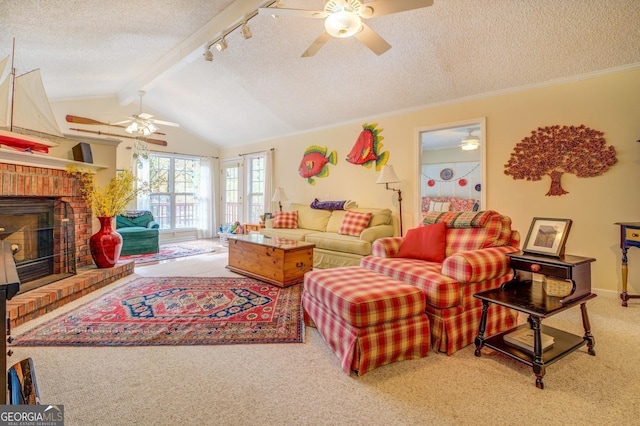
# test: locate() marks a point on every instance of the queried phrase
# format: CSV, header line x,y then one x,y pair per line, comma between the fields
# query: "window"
x,y
255,187
243,189
174,198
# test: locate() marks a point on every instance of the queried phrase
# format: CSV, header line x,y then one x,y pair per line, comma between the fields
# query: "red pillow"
x,y
287,220
425,243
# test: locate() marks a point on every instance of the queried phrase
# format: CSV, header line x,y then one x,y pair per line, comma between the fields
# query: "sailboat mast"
x,y
12,82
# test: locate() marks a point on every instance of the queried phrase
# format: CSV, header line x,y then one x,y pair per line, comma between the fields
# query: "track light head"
x,y
221,45
246,31
208,55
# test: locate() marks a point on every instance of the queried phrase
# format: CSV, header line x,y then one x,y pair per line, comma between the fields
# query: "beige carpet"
x,y
303,384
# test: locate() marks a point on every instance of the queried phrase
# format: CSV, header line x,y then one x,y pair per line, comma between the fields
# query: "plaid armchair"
x,y
475,261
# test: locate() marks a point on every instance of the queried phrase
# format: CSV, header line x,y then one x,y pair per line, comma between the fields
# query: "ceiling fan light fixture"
x,y
470,142
141,127
343,24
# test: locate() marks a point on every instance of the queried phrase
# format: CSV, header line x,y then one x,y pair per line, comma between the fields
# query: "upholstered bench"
x,y
367,319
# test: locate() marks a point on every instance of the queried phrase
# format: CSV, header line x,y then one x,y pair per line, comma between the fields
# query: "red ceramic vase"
x,y
106,244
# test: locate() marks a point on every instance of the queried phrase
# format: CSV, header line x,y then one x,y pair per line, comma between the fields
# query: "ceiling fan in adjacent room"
x,y
343,18
143,124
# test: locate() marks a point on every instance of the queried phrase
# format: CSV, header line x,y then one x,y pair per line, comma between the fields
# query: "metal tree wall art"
x,y
556,150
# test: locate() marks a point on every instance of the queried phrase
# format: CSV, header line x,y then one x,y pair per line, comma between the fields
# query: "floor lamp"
x,y
279,196
387,176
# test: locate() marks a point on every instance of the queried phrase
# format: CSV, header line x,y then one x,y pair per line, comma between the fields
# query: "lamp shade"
x,y
279,195
387,175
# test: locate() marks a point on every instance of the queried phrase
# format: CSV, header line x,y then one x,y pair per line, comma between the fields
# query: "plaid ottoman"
x,y
366,318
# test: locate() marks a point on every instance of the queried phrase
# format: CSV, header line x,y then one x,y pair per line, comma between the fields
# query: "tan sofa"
x,y
321,228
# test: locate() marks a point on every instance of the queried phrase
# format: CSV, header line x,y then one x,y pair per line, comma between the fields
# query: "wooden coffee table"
x,y
278,261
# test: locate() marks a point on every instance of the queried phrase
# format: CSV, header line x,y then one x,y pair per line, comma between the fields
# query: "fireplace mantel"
x,y
12,156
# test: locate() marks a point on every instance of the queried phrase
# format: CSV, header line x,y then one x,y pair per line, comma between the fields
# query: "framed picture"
x,y
547,236
268,216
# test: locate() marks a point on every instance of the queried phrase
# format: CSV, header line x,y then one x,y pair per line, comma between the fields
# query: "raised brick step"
x,y
34,303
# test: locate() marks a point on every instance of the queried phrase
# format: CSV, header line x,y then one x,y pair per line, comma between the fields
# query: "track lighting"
x,y
246,31
221,45
221,42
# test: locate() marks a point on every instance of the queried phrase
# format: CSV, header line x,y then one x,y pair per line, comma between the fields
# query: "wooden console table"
x,y
527,296
629,237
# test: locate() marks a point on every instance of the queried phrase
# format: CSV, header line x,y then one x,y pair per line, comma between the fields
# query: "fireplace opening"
x,y
40,232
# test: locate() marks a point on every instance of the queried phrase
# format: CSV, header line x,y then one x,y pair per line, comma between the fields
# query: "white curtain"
x,y
206,221
142,172
268,180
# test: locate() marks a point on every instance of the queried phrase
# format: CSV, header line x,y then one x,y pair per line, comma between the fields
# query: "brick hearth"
x,y
28,181
34,303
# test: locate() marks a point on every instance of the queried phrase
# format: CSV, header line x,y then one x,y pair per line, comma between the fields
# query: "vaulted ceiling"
x,y
260,88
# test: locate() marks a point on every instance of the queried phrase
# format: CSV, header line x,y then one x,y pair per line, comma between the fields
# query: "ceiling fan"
x,y
343,18
142,123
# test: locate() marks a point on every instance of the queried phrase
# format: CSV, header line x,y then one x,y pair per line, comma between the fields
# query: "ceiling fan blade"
x,y
299,13
165,123
316,45
144,116
120,123
377,8
372,40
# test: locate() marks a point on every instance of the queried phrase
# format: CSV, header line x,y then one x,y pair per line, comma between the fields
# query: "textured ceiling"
x,y
261,88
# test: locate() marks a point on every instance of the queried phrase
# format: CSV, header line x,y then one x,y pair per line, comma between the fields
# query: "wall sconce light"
x,y
387,176
279,196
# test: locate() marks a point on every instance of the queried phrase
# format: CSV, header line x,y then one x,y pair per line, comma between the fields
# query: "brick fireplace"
x,y
37,185
71,219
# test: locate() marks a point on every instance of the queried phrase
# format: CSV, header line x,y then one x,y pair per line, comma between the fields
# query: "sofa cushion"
x,y
292,234
426,243
287,220
354,223
340,243
380,217
440,291
138,233
312,219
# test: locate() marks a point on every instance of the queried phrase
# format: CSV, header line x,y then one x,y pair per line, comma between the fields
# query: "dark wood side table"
x,y
629,237
527,296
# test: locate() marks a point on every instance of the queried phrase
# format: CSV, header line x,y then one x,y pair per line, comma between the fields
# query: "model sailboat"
x,y
24,106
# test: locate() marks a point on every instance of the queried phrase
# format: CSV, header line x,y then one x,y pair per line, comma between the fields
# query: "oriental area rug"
x,y
168,251
178,311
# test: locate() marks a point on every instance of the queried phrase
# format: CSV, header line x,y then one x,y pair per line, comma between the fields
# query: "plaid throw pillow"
x,y
354,223
288,220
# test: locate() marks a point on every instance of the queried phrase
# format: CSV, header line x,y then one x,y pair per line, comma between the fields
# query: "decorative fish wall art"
x,y
367,149
315,163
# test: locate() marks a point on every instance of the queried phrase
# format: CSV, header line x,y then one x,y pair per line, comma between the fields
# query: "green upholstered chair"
x,y
140,233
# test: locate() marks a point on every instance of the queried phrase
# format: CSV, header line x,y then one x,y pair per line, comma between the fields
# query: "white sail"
x,y
31,109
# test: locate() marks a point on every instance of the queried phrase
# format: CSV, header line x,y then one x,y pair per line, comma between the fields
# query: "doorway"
x,y
451,166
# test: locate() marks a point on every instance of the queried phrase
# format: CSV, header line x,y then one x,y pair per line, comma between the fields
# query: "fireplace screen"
x,y
41,236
